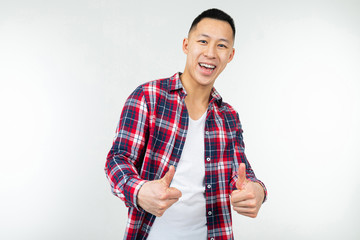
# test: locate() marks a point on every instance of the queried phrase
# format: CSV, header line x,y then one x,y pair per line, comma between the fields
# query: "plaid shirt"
x,y
150,137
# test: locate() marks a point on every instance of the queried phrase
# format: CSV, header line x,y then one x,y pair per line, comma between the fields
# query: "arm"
x,y
248,192
125,157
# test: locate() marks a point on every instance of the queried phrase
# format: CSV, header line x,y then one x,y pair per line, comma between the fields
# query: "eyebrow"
x,y
221,39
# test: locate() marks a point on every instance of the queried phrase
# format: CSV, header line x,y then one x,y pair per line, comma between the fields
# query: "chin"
x,y
205,82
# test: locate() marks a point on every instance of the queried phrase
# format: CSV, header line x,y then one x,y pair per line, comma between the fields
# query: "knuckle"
x,y
162,206
253,213
163,196
159,212
251,195
252,204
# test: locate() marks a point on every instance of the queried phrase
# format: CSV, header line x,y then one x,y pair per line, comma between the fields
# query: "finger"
x,y
174,193
169,176
251,203
170,202
243,210
241,176
238,195
163,207
246,211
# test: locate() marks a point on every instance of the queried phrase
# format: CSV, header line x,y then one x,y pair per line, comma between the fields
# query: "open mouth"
x,y
207,67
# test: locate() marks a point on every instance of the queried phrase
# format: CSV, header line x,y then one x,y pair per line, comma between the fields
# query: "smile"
x,y
208,66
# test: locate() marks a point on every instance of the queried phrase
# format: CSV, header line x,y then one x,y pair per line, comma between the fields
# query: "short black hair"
x,y
214,13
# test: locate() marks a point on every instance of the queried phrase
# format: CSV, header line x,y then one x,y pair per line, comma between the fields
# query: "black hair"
x,y
214,13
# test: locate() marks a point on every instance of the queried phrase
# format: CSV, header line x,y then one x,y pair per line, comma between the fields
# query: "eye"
x,y
203,41
222,46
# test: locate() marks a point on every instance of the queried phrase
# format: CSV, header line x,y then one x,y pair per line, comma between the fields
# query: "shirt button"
x,y
212,238
208,186
209,213
208,159
207,132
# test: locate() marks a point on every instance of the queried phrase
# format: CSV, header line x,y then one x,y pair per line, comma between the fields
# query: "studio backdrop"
x,y
67,67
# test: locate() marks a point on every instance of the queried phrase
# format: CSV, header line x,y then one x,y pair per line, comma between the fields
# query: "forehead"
x,y
213,28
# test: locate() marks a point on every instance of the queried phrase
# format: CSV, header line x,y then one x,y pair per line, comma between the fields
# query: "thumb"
x,y
241,176
169,176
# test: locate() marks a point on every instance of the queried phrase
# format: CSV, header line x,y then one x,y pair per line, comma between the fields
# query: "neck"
x,y
196,92
197,99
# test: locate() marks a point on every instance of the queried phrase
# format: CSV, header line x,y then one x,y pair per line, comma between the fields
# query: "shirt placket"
x,y
209,179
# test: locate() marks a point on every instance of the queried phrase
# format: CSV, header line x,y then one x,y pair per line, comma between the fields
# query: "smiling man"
x,y
178,159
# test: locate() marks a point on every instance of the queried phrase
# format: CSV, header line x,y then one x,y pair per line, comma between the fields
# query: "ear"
x,y
231,55
185,45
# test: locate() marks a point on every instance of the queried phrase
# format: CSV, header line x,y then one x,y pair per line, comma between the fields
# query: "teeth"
x,y
207,66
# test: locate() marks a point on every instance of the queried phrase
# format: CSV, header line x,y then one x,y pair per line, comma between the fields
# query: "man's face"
x,y
209,48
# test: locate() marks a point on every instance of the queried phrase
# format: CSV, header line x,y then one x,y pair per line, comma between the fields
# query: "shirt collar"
x,y
175,84
215,96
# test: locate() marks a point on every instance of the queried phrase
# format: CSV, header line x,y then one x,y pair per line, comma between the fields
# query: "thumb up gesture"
x,y
248,197
242,181
157,196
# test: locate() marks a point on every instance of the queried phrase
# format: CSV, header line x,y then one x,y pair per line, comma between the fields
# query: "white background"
x,y
66,68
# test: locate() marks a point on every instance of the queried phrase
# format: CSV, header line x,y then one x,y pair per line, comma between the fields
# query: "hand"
x,y
156,196
248,197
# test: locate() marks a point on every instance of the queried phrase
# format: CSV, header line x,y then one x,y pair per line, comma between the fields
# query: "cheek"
x,y
192,57
194,51
191,61
225,59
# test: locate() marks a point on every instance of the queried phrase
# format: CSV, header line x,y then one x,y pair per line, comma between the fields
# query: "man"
x,y
178,159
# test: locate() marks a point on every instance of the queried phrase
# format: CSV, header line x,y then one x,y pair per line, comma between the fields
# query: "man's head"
x,y
214,13
209,48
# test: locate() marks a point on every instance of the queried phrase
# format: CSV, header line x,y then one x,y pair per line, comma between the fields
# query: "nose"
x,y
210,51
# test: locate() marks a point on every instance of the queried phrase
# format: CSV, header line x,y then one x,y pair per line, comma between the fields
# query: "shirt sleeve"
x,y
240,157
125,157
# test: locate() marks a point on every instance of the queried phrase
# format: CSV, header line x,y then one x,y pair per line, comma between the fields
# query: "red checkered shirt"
x,y
150,137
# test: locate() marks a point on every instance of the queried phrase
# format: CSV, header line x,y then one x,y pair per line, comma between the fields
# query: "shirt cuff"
x,y
131,191
263,186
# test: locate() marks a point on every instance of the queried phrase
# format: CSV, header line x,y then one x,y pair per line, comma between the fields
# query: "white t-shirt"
x,y
186,219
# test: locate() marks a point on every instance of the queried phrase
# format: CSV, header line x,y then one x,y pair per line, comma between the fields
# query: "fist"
x,y
157,196
248,197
